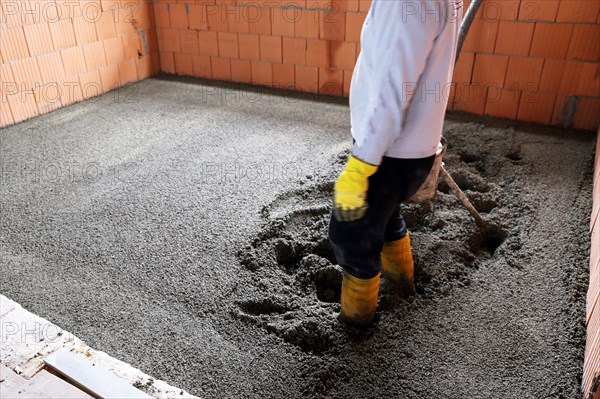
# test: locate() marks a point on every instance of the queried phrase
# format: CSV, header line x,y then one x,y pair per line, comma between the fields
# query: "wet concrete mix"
x,y
228,287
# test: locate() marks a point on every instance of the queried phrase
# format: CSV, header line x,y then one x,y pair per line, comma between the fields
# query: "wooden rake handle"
x,y
462,197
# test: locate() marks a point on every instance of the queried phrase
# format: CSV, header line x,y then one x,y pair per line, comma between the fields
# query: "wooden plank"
x,y
90,378
591,372
55,387
9,380
591,362
14,387
593,292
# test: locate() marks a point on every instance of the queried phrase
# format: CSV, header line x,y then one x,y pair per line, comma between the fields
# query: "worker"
x,y
397,107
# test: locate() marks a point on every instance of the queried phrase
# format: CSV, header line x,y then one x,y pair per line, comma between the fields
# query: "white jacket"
x,y
401,81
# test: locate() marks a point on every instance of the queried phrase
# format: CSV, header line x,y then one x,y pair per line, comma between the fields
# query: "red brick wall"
x,y
532,60
305,45
592,351
57,52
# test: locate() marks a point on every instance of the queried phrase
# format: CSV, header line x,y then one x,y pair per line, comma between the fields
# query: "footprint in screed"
x,y
264,306
292,248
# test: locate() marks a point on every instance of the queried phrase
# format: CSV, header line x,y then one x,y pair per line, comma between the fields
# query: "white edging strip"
x,y
26,339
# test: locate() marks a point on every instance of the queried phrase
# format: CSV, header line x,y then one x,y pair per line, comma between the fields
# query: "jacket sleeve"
x,y
397,39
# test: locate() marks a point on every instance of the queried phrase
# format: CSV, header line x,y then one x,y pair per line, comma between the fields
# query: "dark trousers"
x,y
358,244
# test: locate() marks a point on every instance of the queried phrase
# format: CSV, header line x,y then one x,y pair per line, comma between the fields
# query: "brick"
x,y
343,55
580,78
168,40
237,21
228,45
71,91
215,17
538,10
490,69
501,10
13,45
364,5
514,38
464,68
564,111
156,62
202,67
259,20
536,107
307,78
132,47
282,24
188,40
62,33
283,76
502,103
113,49
221,68
85,31
331,82
74,61
354,24
38,38
6,118
152,41
524,73
271,48
126,25
583,46
144,67
11,16
578,11
48,98
161,15
22,107
347,83
94,55
249,46
332,26
317,53
50,67
262,73
208,43
241,71
551,40
91,8
469,98
26,73
167,62
105,26
196,18
588,114
481,37
552,75
109,77
294,51
7,80
178,14
184,64
142,16
307,25
91,84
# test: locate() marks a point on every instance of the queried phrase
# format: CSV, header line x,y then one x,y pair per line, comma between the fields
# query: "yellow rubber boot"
x,y
359,299
398,267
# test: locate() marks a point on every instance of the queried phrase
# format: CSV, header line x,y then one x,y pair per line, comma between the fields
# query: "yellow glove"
x,y
350,198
